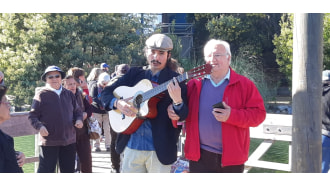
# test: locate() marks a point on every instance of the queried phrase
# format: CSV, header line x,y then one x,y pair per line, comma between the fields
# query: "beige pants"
x,y
139,161
104,121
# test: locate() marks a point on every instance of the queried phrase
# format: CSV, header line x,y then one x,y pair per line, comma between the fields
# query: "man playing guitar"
x,y
153,146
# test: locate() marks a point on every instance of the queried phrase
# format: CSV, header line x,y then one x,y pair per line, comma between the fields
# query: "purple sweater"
x,y
209,127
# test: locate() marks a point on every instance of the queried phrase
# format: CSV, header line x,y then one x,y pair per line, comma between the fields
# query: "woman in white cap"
x,y
55,114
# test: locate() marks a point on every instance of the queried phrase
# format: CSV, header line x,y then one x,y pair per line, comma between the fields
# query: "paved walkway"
x,y
101,160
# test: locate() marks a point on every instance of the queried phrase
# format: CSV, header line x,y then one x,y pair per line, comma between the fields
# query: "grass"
x,y
278,152
25,144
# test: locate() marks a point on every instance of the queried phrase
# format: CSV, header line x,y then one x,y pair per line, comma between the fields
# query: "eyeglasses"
x,y
5,102
216,56
53,76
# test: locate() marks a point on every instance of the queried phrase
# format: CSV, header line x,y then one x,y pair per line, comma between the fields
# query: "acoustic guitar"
x,y
144,96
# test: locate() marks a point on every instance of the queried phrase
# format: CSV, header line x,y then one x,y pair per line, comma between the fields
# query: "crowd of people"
x,y
217,139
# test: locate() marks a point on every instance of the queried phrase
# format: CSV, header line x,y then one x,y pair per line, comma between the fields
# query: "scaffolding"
x,y
184,32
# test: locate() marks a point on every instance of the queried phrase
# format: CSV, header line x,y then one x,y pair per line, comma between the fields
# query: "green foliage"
x,y
326,41
31,42
241,30
228,28
87,40
201,33
20,39
250,67
284,46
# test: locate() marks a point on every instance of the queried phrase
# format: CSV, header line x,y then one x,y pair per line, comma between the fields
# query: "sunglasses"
x,y
53,76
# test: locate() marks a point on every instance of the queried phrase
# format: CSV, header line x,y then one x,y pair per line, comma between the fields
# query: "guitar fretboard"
x,y
193,73
160,88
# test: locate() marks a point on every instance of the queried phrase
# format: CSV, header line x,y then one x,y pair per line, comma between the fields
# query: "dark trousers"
x,y
84,153
210,162
50,155
115,157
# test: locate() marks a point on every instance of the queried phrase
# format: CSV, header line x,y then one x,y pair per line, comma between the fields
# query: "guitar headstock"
x,y
200,71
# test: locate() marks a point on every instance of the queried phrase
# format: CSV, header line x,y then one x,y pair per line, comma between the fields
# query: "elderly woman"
x,y
55,113
83,145
11,161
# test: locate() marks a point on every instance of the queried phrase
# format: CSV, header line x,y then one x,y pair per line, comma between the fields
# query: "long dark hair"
x,y
3,91
171,63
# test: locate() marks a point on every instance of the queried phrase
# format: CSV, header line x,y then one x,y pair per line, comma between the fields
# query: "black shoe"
x,y
97,149
108,149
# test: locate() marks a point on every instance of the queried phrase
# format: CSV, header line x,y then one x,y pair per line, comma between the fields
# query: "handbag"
x,y
94,129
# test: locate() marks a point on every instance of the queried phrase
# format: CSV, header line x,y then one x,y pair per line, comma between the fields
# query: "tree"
x,y
283,46
326,42
248,34
31,42
20,39
87,40
201,34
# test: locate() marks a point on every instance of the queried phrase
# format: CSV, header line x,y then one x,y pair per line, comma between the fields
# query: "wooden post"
x,y
306,92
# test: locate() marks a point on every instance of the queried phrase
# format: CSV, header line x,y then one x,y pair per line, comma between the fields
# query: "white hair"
x,y
103,78
214,42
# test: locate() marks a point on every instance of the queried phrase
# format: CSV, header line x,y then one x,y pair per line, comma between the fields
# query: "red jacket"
x,y
247,110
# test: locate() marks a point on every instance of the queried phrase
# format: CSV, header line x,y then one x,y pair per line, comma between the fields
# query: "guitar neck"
x,y
161,88
193,73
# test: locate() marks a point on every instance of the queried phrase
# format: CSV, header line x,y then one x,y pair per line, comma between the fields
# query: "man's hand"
x,y
171,114
222,114
174,91
43,131
126,108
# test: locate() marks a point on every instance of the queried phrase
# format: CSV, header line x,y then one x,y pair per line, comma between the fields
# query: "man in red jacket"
x,y
218,139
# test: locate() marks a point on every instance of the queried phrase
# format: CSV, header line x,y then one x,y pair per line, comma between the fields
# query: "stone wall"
x,y
18,125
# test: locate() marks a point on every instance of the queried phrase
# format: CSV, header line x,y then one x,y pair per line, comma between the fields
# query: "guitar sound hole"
x,y
138,101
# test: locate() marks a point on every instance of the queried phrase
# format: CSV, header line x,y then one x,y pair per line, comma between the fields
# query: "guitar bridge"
x,y
138,115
